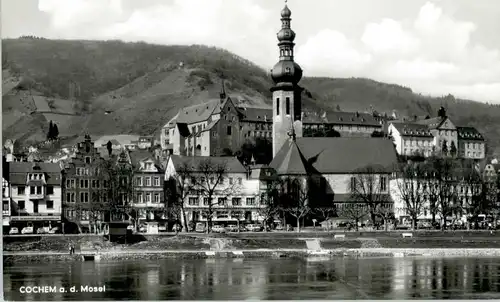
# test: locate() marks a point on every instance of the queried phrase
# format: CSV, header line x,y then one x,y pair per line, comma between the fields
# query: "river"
x,y
266,279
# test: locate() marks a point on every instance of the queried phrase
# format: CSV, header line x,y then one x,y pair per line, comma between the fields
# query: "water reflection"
x,y
284,279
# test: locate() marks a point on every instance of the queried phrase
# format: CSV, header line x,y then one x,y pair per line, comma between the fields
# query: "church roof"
x,y
339,155
255,114
201,112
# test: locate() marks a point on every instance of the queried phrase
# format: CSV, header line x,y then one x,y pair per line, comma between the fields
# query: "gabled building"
x,y
36,190
237,194
148,193
439,136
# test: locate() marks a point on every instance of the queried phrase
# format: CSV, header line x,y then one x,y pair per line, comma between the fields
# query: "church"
x,y
328,169
339,163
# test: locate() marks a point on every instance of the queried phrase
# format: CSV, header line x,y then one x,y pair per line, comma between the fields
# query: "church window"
x,y
277,106
287,106
228,130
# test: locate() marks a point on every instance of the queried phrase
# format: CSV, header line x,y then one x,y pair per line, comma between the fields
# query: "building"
x,y
438,135
36,190
5,202
148,193
328,168
345,123
235,197
82,189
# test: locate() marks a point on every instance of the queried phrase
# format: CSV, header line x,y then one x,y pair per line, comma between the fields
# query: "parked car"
x,y
143,229
13,231
200,227
279,227
232,228
42,230
254,227
218,229
27,230
424,225
54,230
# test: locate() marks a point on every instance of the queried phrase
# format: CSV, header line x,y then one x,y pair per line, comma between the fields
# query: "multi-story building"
x,y
82,188
36,190
148,193
438,136
236,197
345,123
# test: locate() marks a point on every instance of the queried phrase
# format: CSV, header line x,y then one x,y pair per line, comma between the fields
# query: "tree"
x,y
442,178
115,176
370,186
444,148
355,212
411,183
209,181
453,149
295,198
55,132
50,132
476,198
179,187
270,206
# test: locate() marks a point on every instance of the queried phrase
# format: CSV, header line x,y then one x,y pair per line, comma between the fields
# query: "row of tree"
x,y
446,188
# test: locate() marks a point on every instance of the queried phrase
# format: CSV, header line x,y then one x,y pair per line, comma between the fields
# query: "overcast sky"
x,y
434,47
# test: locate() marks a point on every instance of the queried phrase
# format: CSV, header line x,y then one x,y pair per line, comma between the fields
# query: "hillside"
x,y
107,87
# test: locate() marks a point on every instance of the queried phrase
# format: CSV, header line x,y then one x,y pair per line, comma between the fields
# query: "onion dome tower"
x,y
286,74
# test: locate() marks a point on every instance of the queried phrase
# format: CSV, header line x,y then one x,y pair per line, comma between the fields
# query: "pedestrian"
x,y
70,249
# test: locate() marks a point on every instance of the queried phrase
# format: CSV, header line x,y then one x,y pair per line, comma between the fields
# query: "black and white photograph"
x,y
250,150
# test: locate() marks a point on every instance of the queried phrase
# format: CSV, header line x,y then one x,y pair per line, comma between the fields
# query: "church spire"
x,y
222,94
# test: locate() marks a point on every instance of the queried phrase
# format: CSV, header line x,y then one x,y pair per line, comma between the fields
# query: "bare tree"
x,y
295,198
355,212
410,187
444,177
179,187
270,206
370,186
115,177
209,181
473,202
326,213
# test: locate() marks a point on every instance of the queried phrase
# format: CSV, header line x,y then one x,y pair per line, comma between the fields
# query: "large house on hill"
x,y
438,135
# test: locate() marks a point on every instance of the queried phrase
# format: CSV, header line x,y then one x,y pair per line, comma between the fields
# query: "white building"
x,y
35,193
236,198
437,135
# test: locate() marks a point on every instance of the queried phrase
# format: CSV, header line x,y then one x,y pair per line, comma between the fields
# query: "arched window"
x,y
287,106
277,106
295,190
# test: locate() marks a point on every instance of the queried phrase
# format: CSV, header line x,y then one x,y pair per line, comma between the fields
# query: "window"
x,y
138,198
240,180
236,201
148,181
50,204
20,190
157,198
222,201
78,171
70,197
383,183
287,106
148,197
149,166
84,197
230,180
21,205
32,190
138,181
87,160
95,184
193,201
353,183
5,207
85,215
157,182
229,130
38,190
205,201
250,201
277,106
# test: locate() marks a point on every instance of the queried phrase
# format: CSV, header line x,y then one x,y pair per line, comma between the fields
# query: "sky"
x,y
434,47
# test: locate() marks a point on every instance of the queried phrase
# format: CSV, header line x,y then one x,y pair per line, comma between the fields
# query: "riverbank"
x,y
44,257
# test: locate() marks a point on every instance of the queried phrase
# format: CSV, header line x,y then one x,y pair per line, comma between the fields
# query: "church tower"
x,y
286,74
